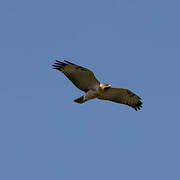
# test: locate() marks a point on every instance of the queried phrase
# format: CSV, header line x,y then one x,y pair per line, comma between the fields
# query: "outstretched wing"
x,y
81,77
122,96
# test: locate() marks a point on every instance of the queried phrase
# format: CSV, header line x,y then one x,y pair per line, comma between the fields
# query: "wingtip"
x,y
69,62
138,105
58,65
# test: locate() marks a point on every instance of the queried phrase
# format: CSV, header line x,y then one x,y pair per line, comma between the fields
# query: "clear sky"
x,y
133,44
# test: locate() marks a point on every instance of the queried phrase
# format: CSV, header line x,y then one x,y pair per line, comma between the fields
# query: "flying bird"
x,y
85,80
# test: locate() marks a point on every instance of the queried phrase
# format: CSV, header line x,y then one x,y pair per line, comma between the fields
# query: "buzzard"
x,y
85,80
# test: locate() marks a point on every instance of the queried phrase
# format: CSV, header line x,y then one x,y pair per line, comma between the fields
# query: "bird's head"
x,y
105,86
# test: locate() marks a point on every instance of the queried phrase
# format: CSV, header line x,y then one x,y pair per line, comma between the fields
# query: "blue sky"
x,y
133,44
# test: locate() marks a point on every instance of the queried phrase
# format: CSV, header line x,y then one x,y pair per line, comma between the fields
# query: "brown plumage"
x,y
122,96
85,80
81,77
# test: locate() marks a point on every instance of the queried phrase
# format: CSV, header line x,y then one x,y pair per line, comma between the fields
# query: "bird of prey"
x,y
85,80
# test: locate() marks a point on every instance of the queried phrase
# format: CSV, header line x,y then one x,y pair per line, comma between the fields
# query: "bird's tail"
x,y
80,100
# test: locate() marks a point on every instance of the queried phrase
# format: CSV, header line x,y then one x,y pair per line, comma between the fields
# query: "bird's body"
x,y
85,80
